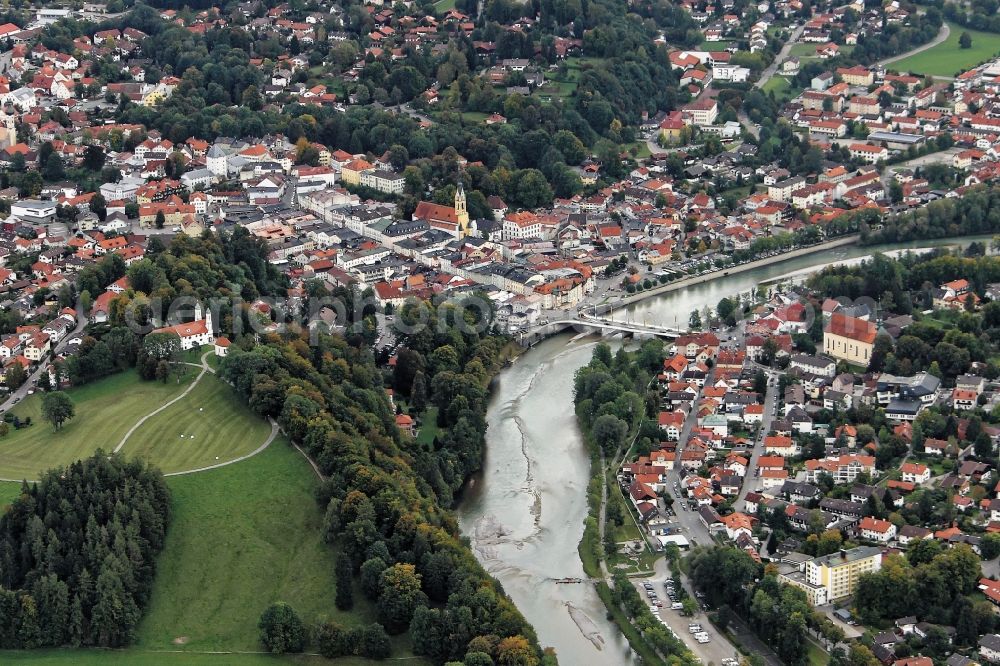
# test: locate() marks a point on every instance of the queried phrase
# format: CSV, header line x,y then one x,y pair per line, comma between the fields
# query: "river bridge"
x,y
599,324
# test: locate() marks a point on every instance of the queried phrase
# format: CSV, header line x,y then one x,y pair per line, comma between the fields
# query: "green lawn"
x,y
816,655
428,427
781,86
803,49
947,59
641,149
714,46
474,116
444,5
215,424
242,537
9,491
105,410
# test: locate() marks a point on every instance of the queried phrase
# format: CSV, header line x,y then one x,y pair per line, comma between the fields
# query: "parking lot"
x,y
717,649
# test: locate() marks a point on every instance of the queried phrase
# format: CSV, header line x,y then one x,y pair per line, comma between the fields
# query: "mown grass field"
x,y
105,410
241,537
209,425
803,49
947,58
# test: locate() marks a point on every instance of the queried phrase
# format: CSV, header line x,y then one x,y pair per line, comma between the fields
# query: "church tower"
x,y
461,211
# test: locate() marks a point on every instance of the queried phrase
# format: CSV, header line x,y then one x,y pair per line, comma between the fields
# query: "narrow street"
x,y
31,382
770,407
766,75
691,525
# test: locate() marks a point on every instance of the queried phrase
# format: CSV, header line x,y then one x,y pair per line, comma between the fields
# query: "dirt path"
x,y
204,368
267,443
941,36
309,460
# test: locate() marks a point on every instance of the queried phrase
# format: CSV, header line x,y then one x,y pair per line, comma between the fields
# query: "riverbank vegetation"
x,y
613,407
77,554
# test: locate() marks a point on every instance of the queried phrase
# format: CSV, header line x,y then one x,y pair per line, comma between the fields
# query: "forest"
x,y
77,554
385,494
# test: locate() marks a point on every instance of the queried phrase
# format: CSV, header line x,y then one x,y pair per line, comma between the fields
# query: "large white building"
x,y
33,211
834,576
193,334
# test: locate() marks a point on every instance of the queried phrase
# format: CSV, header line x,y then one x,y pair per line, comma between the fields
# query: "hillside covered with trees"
x,y
386,496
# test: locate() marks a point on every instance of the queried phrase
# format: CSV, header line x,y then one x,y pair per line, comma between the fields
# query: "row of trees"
x,y
77,554
611,394
977,211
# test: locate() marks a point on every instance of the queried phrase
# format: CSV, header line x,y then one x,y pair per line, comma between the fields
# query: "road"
x,y
941,36
766,75
770,407
20,393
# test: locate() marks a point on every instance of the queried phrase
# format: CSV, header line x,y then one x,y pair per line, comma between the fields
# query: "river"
x,y
524,511
674,308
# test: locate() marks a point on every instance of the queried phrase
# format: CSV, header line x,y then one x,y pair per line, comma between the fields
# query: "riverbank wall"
x,y
735,270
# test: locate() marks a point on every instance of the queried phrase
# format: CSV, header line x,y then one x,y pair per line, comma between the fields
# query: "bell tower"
x,y
461,211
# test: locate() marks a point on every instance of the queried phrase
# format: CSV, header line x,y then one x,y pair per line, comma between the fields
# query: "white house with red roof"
x,y
874,529
193,334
